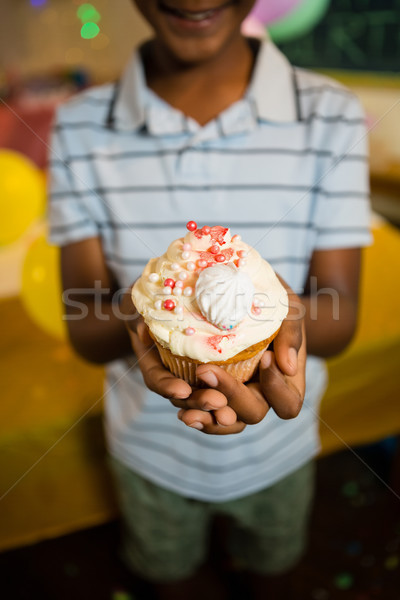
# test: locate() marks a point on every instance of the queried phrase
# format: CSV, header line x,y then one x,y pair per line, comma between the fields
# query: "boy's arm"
x,y
331,300
95,329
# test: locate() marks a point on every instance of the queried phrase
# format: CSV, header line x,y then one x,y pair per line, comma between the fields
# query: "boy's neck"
x,y
203,90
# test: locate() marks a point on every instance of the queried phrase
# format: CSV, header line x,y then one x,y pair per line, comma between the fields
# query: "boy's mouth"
x,y
194,16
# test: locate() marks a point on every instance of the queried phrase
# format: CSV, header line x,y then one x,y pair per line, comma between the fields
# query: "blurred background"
x,y
54,485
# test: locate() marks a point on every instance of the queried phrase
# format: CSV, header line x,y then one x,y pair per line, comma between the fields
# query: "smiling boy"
x,y
207,125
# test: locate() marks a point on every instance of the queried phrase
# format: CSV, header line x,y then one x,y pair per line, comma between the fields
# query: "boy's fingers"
x,y
250,408
287,345
156,377
203,399
290,337
280,391
143,332
207,423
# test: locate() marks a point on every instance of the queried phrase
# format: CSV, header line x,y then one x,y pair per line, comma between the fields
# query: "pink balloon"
x,y
268,11
252,27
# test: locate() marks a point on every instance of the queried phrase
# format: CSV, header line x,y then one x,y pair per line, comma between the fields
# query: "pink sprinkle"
x,y
242,262
242,253
186,247
182,275
202,264
190,331
214,249
220,258
188,291
206,230
256,310
191,266
185,255
236,238
179,284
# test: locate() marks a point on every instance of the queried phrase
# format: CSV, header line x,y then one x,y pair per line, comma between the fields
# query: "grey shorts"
x,y
166,535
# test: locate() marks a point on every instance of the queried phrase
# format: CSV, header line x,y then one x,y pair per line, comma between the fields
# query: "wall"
x,y
36,40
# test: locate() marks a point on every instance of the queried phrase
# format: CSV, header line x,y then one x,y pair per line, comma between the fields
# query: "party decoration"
x,y
300,21
88,13
89,31
89,16
268,11
22,195
41,287
252,27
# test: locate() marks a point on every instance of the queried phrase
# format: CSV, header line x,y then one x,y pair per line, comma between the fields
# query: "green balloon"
x,y
299,22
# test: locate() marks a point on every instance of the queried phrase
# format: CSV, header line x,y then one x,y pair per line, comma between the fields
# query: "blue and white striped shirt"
x,y
285,167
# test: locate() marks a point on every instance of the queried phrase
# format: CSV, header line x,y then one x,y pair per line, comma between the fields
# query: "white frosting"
x,y
209,343
224,295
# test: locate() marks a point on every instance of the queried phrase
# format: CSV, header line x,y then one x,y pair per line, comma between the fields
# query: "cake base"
x,y
242,366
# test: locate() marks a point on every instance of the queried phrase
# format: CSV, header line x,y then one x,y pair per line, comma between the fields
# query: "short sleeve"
x,y
343,215
68,217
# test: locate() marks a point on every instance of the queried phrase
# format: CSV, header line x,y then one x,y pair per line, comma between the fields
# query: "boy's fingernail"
x,y
266,360
292,356
209,378
197,425
180,413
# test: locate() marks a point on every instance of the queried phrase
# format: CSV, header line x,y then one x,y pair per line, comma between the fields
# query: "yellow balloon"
x,y
41,287
22,195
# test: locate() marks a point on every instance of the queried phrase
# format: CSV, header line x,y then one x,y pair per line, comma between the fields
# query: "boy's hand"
x,y
281,386
156,377
227,405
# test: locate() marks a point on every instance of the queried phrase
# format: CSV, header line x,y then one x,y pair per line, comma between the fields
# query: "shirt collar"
x,y
272,96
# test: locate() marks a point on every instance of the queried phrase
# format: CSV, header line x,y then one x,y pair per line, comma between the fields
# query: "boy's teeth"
x,y
200,16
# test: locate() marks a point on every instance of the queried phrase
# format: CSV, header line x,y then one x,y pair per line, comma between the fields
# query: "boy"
x,y
209,126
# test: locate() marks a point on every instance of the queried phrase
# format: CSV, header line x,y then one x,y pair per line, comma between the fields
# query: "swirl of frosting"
x,y
224,295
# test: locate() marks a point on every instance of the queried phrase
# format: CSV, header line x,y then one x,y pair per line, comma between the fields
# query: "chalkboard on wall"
x,y
362,35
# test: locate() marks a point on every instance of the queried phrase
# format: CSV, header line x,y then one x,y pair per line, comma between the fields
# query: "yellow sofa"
x,y
53,478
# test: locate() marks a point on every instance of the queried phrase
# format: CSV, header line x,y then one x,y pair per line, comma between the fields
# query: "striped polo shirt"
x,y
285,167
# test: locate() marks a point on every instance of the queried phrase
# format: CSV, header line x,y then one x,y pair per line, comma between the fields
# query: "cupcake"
x,y
210,298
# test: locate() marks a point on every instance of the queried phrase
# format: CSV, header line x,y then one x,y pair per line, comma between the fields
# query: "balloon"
x,y
22,195
300,21
41,287
268,11
251,27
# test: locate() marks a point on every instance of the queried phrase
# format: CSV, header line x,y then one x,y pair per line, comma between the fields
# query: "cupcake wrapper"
x,y
185,368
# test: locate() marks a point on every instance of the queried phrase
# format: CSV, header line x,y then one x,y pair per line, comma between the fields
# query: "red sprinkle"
x,y
169,283
215,340
218,234
206,230
220,258
210,259
191,226
256,310
169,304
214,249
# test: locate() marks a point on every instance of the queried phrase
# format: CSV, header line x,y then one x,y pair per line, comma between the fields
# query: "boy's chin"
x,y
192,52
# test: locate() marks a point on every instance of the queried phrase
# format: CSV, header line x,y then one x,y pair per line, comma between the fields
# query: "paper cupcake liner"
x,y
185,368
